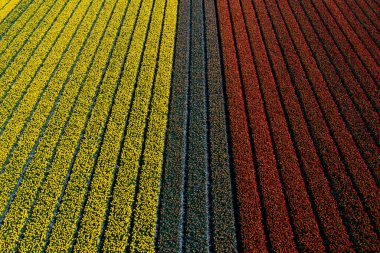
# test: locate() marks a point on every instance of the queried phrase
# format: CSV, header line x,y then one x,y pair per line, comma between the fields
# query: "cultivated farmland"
x,y
189,126
85,90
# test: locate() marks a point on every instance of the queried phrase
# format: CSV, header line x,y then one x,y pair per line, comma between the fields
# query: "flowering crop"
x,y
6,7
189,125
76,75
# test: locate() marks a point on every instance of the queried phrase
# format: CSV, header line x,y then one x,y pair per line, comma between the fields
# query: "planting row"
x,y
18,35
12,17
7,6
310,120
302,98
265,136
196,209
29,141
81,98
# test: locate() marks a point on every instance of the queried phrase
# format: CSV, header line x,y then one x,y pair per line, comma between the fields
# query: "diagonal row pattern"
x,y
189,126
299,83
85,89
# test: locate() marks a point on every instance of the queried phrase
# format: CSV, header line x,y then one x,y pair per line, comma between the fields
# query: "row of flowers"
x,y
49,84
132,219
6,7
91,88
21,90
149,184
27,33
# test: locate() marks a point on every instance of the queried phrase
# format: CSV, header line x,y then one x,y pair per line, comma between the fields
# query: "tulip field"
x,y
189,126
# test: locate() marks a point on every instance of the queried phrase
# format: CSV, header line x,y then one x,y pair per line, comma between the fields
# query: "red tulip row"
x,y
288,106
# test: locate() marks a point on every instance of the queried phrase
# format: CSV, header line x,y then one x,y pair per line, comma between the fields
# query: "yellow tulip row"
x,y
12,40
60,163
50,192
20,80
25,63
56,178
143,47
15,38
36,169
83,166
3,3
91,222
8,7
15,15
26,133
70,208
27,87
14,24
23,58
119,221
147,198
9,177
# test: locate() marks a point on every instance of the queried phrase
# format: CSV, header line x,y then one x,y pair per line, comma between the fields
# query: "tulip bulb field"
x,y
189,126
